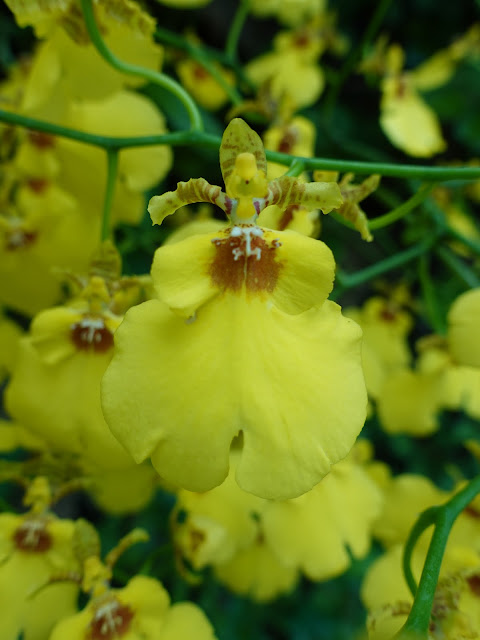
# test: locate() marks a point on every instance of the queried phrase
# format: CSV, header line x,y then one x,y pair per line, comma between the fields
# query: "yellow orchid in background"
x,y
64,356
43,15
228,529
258,319
35,547
202,85
141,610
291,12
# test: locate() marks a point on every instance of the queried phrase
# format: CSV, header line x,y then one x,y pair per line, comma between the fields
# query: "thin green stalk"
x,y
474,245
426,519
235,31
147,74
296,168
355,53
402,210
112,168
418,621
458,267
204,52
348,281
231,92
201,138
430,297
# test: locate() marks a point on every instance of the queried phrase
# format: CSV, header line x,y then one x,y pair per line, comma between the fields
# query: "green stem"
x,y
426,519
458,267
402,210
429,295
148,74
201,53
202,139
355,53
112,167
418,621
231,92
235,31
474,245
296,168
347,280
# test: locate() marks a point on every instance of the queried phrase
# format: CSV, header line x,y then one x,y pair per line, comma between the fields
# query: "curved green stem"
x,y
202,52
348,280
233,37
402,210
426,519
201,138
112,168
132,69
458,267
296,168
443,518
429,295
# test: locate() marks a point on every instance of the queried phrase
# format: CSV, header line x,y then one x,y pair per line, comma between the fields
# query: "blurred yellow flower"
x,y
64,357
206,90
34,548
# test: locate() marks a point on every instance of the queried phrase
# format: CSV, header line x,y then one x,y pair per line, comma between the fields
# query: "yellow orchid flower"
x,y
64,356
257,316
35,547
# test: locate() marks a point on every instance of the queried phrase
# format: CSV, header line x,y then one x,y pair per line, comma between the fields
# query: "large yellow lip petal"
x,y
291,270
180,393
307,275
180,270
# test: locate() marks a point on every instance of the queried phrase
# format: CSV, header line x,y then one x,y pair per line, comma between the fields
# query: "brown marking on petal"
x,y
388,313
245,260
18,238
41,140
472,512
91,334
288,140
199,72
197,538
38,184
474,584
32,536
112,619
287,217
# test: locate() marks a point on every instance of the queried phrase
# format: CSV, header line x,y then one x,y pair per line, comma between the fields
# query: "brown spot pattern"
x,y
112,620
257,275
19,239
91,334
41,140
32,536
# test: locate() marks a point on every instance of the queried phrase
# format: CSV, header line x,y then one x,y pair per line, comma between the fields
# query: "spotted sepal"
x,y
239,138
287,190
195,190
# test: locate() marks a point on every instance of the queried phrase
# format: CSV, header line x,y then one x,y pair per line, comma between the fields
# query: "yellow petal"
x,y
257,573
408,122
463,329
313,532
287,380
291,270
186,620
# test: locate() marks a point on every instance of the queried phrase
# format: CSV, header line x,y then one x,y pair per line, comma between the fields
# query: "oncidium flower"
x,y
254,301
35,547
139,611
